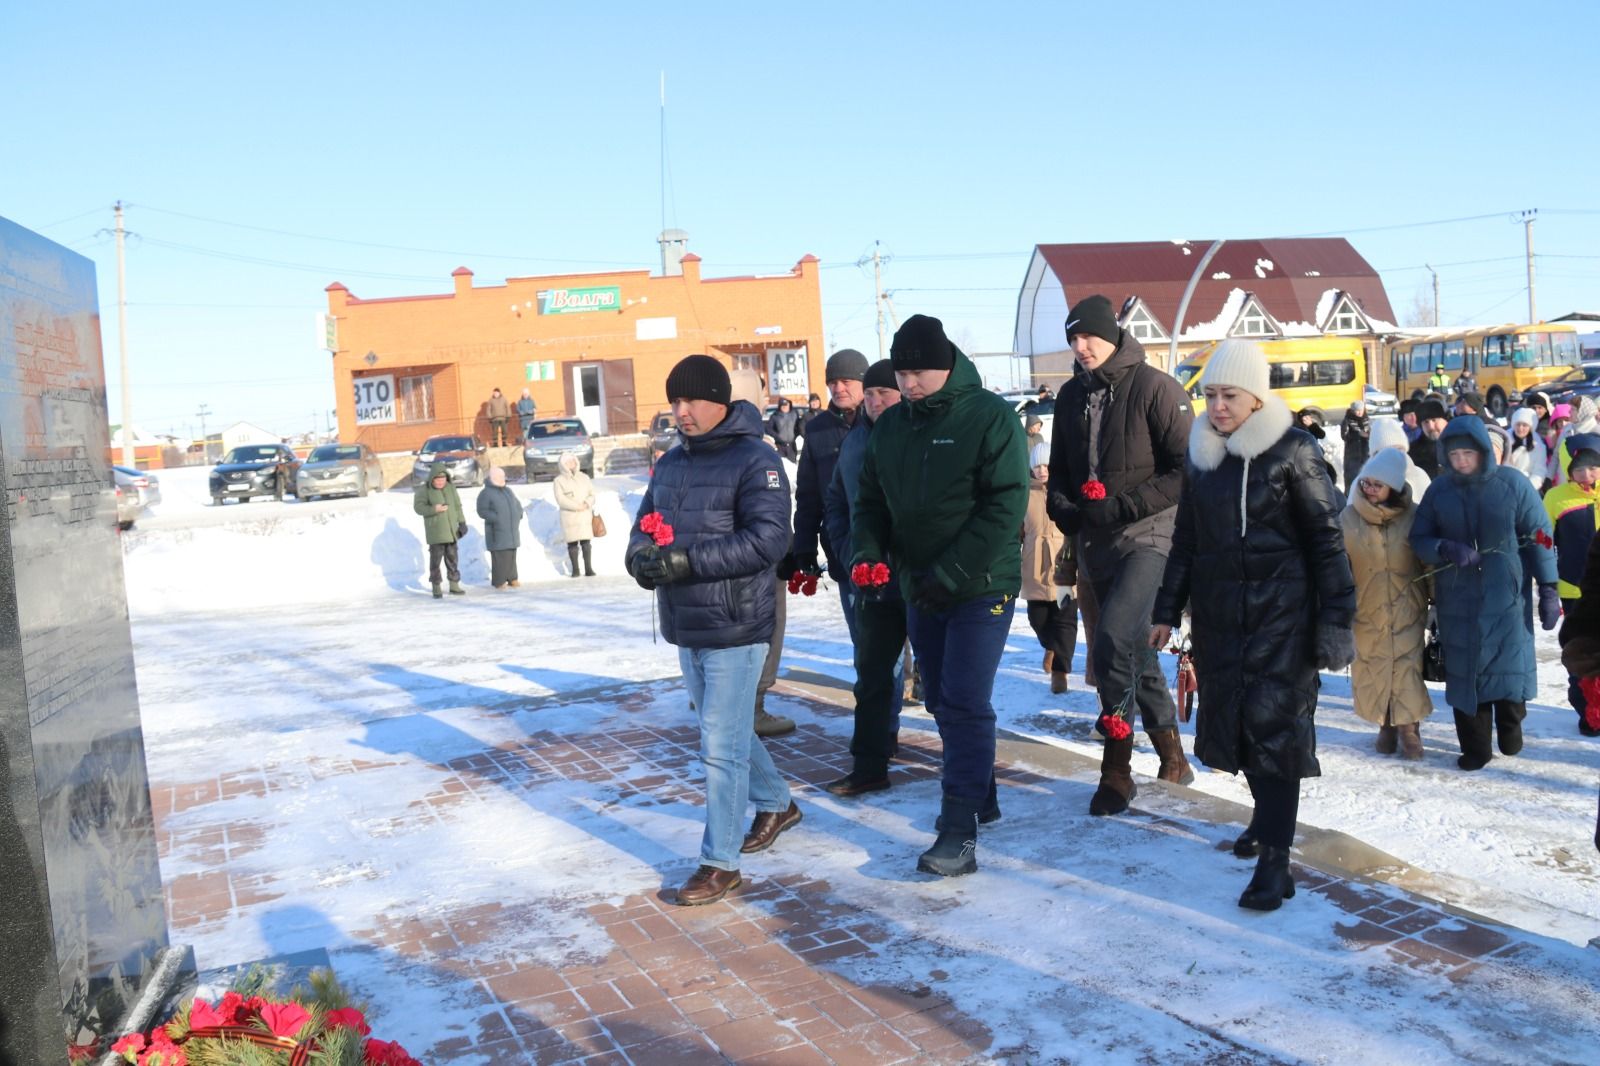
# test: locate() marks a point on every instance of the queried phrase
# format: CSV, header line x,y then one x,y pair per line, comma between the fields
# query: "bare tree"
x,y
1421,312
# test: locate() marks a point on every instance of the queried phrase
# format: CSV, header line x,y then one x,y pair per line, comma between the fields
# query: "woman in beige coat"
x,y
1391,604
574,494
1054,617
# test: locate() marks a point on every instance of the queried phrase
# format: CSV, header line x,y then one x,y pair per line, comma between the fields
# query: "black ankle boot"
x,y
1248,846
956,851
1271,883
1473,732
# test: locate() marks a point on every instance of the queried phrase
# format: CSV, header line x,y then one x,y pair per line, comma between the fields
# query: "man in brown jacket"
x,y
499,415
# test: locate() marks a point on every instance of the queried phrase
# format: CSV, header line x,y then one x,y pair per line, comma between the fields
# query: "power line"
x,y
1400,225
62,222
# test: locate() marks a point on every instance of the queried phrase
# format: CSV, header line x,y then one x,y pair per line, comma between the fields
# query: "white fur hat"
x,y
1388,433
1241,364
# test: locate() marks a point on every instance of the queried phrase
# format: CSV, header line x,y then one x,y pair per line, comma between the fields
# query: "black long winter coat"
x,y
726,496
1258,557
824,433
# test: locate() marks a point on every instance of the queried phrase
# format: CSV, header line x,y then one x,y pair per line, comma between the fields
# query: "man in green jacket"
x,y
941,501
444,523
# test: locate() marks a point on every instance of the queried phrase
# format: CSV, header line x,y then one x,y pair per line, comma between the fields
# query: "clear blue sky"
x,y
521,138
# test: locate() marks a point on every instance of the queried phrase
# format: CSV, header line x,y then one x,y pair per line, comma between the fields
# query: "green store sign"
x,y
577,301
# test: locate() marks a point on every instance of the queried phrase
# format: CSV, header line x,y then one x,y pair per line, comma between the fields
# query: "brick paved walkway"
x,y
762,977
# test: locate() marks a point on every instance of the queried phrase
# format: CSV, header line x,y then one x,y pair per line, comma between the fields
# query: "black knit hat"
x,y
699,377
846,364
920,344
1431,409
880,375
1407,407
1093,315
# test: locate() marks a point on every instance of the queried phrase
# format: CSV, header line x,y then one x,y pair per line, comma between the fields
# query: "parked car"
x,y
128,507
464,457
1380,402
339,470
548,439
252,470
1569,389
1028,403
147,487
663,436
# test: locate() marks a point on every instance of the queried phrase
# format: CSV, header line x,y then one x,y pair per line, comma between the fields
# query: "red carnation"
x,y
348,1018
663,535
1542,539
1093,489
203,1015
650,522
657,529
284,1019
808,585
880,575
1591,701
129,1046
794,583
1115,726
861,575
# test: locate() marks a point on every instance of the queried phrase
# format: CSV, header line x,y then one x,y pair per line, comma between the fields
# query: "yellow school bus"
x,y
1507,360
1325,374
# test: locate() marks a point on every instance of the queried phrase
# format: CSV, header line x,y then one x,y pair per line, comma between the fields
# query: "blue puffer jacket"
x,y
841,494
726,496
824,435
1485,613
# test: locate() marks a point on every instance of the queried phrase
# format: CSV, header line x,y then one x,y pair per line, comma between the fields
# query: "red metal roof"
x,y
1301,270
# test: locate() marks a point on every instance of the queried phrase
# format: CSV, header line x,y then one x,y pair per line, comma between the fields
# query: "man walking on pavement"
x,y
444,523
1116,471
724,499
880,613
940,502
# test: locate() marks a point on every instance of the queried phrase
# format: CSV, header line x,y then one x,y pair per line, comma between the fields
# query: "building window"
x,y
1253,322
1346,319
749,362
1143,325
416,398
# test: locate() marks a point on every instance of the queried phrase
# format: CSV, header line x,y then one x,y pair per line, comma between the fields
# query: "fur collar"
x,y
1207,447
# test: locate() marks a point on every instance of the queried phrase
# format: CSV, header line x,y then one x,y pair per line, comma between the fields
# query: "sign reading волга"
x,y
374,399
576,301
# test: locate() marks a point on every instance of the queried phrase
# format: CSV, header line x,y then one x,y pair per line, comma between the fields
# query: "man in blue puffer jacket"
x,y
726,498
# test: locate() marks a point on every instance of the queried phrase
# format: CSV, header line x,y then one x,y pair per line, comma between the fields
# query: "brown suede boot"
x,y
1174,767
1049,662
1116,789
1410,741
1058,682
1387,740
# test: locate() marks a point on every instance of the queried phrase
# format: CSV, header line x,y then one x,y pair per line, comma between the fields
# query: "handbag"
x,y
597,525
1433,655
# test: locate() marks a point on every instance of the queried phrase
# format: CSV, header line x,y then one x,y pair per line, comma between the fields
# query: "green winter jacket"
x,y
441,526
944,489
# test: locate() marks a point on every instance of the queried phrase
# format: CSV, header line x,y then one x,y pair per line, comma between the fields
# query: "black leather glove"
x,y
787,566
1064,513
807,564
1097,514
929,595
1336,647
1460,554
636,567
1549,607
461,531
664,566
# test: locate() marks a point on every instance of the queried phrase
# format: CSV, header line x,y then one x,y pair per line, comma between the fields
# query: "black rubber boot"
x,y
1271,884
1473,730
989,814
1508,725
956,851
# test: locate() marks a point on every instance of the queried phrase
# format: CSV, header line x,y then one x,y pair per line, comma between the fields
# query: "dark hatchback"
x,y
252,470
1569,389
463,457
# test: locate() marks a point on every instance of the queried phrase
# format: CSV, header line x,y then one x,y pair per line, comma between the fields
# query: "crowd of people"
x,y
933,508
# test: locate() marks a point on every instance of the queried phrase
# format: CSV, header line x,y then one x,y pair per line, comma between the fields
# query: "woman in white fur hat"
x,y
1258,558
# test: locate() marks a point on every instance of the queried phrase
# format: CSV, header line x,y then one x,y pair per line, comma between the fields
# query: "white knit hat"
x,y
1039,455
1525,414
1387,466
1241,364
1387,433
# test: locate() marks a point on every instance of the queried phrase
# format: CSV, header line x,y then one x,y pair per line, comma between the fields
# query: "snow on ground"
x,y
301,637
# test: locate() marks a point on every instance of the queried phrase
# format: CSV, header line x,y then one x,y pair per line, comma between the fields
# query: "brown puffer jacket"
x,y
1391,610
1041,543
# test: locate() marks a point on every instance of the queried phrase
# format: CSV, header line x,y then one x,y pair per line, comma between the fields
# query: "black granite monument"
x,y
82,923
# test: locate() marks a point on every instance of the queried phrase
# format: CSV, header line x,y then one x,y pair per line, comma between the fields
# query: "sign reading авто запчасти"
x,y
576,301
374,399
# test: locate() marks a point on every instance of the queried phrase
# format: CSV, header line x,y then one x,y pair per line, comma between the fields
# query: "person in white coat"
x,y
574,493
1528,453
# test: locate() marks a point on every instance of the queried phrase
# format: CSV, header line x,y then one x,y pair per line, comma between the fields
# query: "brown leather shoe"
x,y
768,824
707,885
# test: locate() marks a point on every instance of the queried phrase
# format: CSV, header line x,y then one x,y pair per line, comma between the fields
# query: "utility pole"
x,y
205,448
877,294
1527,227
122,344
1435,274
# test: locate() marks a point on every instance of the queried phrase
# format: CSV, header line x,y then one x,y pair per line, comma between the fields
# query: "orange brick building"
x,y
594,346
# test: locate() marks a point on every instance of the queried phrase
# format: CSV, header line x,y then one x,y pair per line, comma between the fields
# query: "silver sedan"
x,y
339,470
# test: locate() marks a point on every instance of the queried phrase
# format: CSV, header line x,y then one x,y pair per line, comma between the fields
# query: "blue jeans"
x,y
958,653
722,684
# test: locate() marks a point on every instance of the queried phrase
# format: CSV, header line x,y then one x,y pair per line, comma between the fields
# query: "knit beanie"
x,y
1240,364
1584,449
1526,415
880,375
1540,398
1561,410
1429,409
700,377
1497,433
1387,466
846,364
1039,455
920,344
1387,433
1093,315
